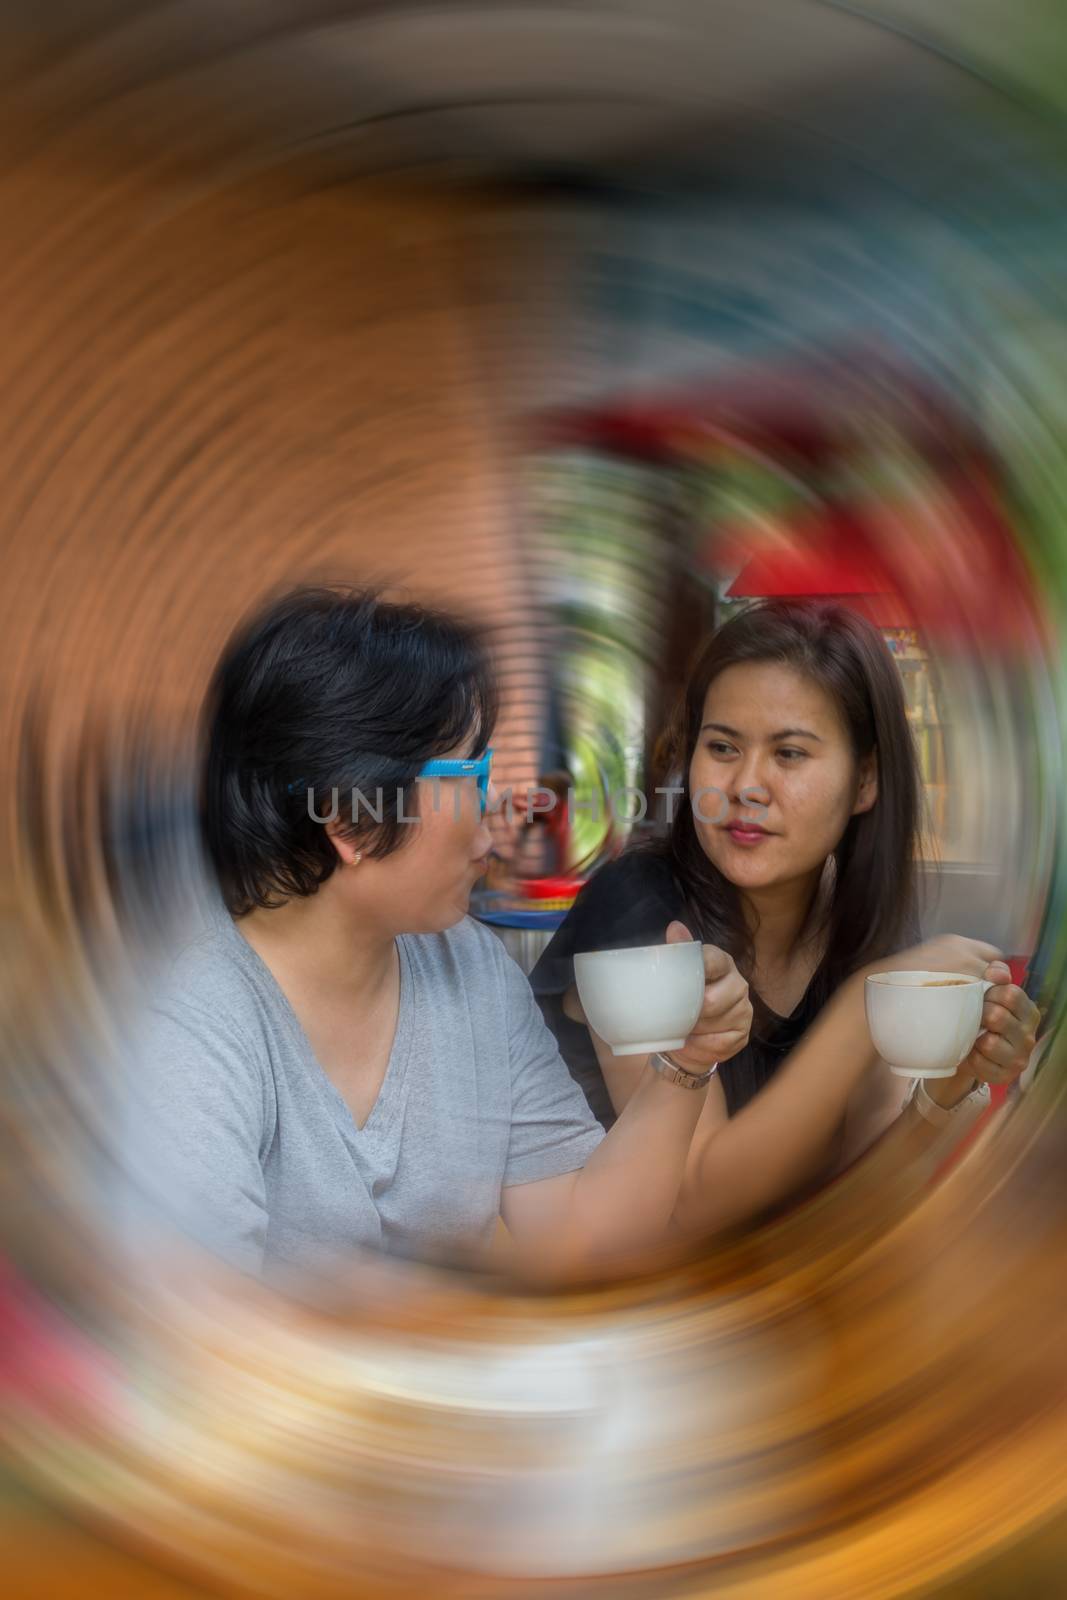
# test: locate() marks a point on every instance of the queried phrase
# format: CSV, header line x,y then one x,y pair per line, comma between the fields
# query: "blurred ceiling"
x,y
608,88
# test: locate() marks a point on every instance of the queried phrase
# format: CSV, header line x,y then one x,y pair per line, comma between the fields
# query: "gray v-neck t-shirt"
x,y
246,1143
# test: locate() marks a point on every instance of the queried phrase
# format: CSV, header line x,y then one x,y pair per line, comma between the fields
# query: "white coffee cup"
x,y
923,1023
645,999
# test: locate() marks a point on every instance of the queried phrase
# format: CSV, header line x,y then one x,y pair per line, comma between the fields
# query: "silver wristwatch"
x,y
675,1074
975,1100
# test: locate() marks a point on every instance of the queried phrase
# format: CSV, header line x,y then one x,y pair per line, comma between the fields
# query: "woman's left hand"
x,y
1003,1049
725,1020
1009,1020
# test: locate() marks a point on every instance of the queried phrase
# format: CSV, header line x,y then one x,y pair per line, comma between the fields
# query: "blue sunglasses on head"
x,y
445,767
477,768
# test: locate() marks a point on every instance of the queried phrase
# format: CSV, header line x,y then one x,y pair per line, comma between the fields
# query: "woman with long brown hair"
x,y
791,847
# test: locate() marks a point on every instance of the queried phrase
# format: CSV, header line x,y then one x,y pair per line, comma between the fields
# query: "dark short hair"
x,y
323,689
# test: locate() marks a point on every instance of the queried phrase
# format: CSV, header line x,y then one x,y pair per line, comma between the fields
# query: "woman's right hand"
x,y
949,952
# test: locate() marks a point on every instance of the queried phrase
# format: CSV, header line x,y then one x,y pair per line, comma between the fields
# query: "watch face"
x,y
680,1075
929,1109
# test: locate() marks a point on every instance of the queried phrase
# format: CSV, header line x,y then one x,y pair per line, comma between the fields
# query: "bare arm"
x,y
783,1136
873,1106
786,1136
882,1102
622,1203
622,1074
1000,1054
619,1205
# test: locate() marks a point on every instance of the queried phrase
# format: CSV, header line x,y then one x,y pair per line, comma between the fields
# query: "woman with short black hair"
x,y
327,694
342,1057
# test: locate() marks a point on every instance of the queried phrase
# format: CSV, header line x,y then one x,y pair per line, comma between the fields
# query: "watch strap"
x,y
663,1064
943,1116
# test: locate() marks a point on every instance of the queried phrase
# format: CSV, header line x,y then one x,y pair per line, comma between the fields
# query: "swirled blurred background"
x,y
594,320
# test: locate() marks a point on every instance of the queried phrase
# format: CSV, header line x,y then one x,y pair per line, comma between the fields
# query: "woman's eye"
x,y
793,755
717,748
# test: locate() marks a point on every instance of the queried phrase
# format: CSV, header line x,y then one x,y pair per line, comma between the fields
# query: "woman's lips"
x,y
741,833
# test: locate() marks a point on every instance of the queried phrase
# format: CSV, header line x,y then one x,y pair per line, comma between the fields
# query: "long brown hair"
x,y
871,907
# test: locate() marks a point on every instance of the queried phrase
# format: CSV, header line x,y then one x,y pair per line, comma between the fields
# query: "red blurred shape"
x,y
825,554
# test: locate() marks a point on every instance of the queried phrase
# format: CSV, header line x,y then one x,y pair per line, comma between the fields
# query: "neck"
x,y
323,942
776,918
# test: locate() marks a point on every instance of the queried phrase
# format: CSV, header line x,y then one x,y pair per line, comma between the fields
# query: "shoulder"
x,y
468,957
628,902
628,899
640,870
200,1054
208,996
467,970
207,972
466,944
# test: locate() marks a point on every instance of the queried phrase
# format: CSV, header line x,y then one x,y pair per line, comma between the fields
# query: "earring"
x,y
356,859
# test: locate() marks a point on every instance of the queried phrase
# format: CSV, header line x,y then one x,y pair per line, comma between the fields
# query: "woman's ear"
x,y
347,849
867,789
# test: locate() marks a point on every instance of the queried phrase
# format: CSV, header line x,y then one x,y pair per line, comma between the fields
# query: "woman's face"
x,y
424,885
774,746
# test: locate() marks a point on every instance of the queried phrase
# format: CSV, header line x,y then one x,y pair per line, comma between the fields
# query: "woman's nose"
x,y
749,780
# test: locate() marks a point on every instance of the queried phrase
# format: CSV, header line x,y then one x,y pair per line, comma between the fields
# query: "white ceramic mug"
x,y
923,1023
642,1000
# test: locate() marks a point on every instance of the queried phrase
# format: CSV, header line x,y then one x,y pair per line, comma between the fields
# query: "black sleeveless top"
x,y
628,903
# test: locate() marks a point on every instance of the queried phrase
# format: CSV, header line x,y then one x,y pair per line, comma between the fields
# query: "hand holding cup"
x,y
679,996
1010,1021
725,1021
948,1009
